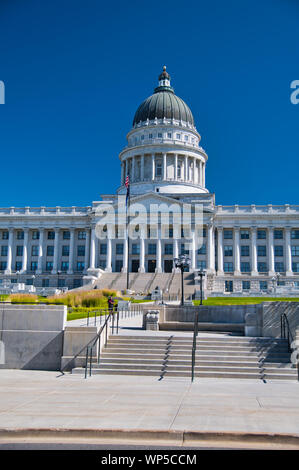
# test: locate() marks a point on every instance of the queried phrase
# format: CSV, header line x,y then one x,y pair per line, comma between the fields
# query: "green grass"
x,y
244,300
80,312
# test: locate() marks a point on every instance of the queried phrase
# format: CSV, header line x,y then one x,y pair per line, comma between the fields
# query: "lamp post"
x,y
201,274
275,280
182,262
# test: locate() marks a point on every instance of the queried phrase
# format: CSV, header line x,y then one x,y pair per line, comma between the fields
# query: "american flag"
x,y
127,185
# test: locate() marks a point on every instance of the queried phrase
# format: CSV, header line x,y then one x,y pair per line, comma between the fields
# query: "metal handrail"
x,y
283,323
195,333
93,341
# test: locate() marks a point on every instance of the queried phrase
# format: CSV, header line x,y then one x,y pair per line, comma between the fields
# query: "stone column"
x,y
159,253
210,249
186,168
87,246
126,170
40,252
71,254
153,167
195,179
220,251
92,248
142,253
164,166
203,175
9,251
253,252
288,252
175,166
109,254
142,168
133,168
56,254
237,251
25,251
193,252
271,267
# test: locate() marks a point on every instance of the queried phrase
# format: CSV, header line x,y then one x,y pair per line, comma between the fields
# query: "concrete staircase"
x,y
170,356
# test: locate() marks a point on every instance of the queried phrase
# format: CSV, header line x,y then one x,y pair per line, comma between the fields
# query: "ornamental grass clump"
x,y
23,298
93,298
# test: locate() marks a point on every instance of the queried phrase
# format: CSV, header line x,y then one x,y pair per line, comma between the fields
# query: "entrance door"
x,y
135,265
151,265
229,286
168,265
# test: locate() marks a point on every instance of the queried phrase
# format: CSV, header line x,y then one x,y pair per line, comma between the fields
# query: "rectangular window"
x,y
261,234
186,138
152,248
169,135
61,282
19,250
245,267
81,250
278,250
20,235
35,250
261,250
159,135
65,250
244,250
295,250
178,136
77,283
278,234
35,235
263,285
18,265
103,249
81,235
159,169
3,265
202,250
295,234
228,267
229,286
168,249
150,136
201,264
4,250
135,249
13,281
51,235
262,267
33,265
80,266
227,234
119,248
142,137
295,267
184,251
228,250
50,250
170,232
45,283
5,235
245,285
66,235
29,282
49,266
64,265
279,267
244,234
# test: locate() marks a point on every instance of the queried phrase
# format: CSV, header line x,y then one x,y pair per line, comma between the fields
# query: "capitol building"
x,y
243,249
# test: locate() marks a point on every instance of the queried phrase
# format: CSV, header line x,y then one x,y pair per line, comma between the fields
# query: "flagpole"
x,y
127,229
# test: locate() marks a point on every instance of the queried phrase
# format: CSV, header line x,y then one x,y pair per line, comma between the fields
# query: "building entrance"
x,y
151,265
168,265
135,265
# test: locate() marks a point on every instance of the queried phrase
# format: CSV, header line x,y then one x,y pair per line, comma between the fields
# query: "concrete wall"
x,y
32,336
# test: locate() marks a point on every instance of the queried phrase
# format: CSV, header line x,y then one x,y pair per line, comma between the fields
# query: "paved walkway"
x,y
145,409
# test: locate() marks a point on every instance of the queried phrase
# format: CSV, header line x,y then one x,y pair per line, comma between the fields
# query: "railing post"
x,y
90,359
88,318
86,362
117,322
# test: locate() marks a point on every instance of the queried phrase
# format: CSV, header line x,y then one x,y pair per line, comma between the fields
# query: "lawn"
x,y
244,300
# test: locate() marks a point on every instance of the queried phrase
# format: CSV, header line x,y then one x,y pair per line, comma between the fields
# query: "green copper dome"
x,y
163,104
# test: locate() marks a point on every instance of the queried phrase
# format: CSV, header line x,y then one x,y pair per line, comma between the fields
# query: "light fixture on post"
x,y
201,274
181,263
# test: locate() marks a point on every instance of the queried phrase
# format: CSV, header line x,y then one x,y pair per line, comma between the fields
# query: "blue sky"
x,y
75,73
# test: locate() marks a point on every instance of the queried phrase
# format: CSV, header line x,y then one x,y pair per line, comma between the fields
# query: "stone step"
x,y
199,343
230,339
